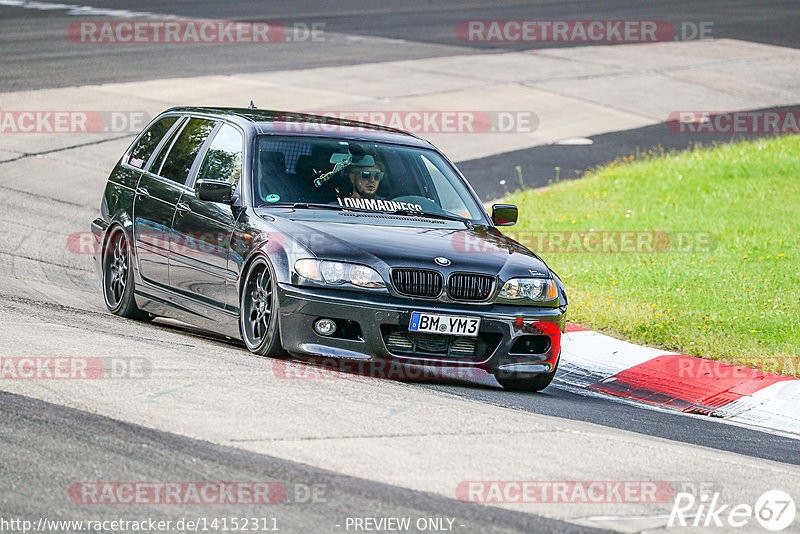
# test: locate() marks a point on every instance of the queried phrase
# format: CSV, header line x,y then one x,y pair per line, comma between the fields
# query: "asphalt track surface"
x,y
35,44
46,446
37,478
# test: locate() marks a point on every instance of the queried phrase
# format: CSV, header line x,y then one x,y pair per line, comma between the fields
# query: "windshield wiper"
x,y
315,205
319,205
442,216
410,213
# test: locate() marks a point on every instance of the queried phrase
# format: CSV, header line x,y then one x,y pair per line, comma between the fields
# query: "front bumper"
x,y
379,316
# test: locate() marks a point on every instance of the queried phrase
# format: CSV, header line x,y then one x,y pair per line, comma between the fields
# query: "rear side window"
x,y
223,159
158,160
147,143
181,156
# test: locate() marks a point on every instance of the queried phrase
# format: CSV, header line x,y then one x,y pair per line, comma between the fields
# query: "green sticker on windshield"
x,y
272,198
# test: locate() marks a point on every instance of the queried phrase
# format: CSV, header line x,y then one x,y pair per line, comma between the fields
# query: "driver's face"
x,y
365,181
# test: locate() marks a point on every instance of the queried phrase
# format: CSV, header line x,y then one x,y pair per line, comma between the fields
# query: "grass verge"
x,y
696,252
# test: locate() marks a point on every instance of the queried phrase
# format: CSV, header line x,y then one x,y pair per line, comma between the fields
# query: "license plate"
x,y
444,324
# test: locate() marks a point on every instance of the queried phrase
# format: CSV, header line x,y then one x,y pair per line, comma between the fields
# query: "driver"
x,y
365,177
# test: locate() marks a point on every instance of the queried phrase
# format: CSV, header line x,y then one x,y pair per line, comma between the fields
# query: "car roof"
x,y
263,121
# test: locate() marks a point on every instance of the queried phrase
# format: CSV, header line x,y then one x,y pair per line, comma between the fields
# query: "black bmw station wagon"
x,y
313,236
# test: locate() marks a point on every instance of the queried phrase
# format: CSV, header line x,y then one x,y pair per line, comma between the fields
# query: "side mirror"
x,y
504,214
214,190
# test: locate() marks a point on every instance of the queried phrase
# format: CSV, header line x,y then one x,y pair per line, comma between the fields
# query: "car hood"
x,y
385,241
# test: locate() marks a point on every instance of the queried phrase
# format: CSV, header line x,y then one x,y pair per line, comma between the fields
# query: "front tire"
x,y
258,311
118,278
526,381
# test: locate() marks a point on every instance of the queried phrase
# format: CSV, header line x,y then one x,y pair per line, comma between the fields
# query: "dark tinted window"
x,y
184,151
223,160
148,142
158,160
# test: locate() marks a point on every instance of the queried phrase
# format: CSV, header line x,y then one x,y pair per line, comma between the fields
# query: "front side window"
x,y
179,161
223,160
149,141
359,175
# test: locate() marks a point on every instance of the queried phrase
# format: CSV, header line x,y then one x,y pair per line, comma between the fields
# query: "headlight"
x,y
339,273
334,272
533,289
363,276
308,269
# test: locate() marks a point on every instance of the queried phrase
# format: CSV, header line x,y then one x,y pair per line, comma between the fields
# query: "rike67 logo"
x,y
774,510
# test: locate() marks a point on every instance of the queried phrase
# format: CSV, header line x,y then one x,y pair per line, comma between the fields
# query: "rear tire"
x,y
259,310
526,381
118,278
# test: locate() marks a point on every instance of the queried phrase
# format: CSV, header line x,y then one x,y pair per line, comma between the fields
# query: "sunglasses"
x,y
366,175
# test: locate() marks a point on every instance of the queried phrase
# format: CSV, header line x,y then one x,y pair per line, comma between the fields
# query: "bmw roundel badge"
x,y
444,262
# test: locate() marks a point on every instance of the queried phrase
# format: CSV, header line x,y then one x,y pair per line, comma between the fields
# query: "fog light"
x,y
324,327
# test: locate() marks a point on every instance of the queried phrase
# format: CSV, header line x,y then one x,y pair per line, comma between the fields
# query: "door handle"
x,y
142,192
183,206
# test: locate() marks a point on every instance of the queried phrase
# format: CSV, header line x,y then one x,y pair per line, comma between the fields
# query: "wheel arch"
x,y
125,225
257,254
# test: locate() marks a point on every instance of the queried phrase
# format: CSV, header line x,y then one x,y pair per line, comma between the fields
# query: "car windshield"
x,y
359,175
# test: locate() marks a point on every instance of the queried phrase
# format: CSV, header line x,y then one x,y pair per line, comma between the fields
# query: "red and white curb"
x,y
683,383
